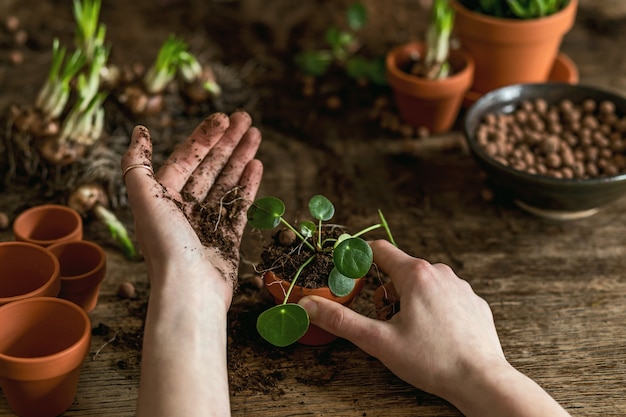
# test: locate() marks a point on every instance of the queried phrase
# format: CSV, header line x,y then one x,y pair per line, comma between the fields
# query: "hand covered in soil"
x,y
191,214
443,340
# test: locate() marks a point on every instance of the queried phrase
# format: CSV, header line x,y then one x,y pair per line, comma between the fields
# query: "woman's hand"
x,y
190,215
443,340
189,220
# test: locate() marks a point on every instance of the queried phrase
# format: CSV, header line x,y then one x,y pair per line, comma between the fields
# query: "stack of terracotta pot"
x,y
49,280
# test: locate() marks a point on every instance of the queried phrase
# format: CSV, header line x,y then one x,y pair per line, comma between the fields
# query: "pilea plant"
x,y
520,9
351,256
343,45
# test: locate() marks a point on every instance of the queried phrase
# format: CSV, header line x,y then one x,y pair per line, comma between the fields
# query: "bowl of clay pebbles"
x,y
557,150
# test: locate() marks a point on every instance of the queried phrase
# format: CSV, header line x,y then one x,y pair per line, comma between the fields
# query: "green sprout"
x,y
90,34
516,9
55,92
438,39
91,199
352,258
164,69
117,230
342,46
85,121
190,70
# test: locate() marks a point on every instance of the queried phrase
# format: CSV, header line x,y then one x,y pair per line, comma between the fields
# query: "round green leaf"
x,y
357,16
283,324
307,228
321,208
353,257
266,212
339,284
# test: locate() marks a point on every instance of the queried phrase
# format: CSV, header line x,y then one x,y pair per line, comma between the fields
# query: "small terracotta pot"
x,y
47,224
511,51
27,270
433,104
43,342
83,267
314,336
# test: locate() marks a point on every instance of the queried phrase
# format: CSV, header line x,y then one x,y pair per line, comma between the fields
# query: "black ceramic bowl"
x,y
543,195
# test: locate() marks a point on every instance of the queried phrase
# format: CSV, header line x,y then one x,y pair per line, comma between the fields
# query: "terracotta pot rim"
x,y
23,216
56,275
498,21
80,345
400,80
99,267
508,31
269,278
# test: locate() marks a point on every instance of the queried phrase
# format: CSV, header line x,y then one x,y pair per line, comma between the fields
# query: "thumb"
x,y
344,322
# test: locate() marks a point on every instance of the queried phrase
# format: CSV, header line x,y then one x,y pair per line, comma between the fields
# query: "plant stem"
x,y
302,238
387,229
368,229
117,230
293,281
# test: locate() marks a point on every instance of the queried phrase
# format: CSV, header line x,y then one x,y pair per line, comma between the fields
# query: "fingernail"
x,y
139,132
309,305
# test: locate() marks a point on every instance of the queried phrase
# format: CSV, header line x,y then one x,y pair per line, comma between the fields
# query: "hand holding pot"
x,y
443,340
189,219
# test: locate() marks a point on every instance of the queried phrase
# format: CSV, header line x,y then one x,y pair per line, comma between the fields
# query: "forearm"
x,y
501,390
184,368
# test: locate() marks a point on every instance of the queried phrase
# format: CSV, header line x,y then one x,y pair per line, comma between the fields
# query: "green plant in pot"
x,y
513,41
430,79
342,52
297,253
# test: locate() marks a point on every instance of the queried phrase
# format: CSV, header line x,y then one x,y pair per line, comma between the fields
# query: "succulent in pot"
x,y
343,257
512,41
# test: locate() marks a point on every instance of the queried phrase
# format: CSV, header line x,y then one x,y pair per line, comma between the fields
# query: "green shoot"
x,y
438,39
352,258
85,120
190,70
55,92
117,230
89,34
163,71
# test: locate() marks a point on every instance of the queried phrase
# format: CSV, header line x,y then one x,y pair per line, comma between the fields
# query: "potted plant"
x,y
512,41
316,257
429,79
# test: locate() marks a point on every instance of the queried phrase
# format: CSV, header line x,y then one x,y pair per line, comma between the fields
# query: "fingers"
x,y
249,183
185,159
139,154
342,321
209,169
232,172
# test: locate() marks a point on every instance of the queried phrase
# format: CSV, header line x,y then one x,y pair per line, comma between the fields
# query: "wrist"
x,y
496,388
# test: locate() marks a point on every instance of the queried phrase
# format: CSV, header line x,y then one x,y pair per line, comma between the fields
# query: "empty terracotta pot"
x,y
43,342
27,270
314,336
83,267
47,224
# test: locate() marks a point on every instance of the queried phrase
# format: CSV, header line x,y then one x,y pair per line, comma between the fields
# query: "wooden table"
x,y
557,290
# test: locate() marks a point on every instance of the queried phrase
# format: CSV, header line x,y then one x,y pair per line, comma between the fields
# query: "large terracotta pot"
x,y
83,267
314,336
511,51
433,104
27,270
47,224
43,342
